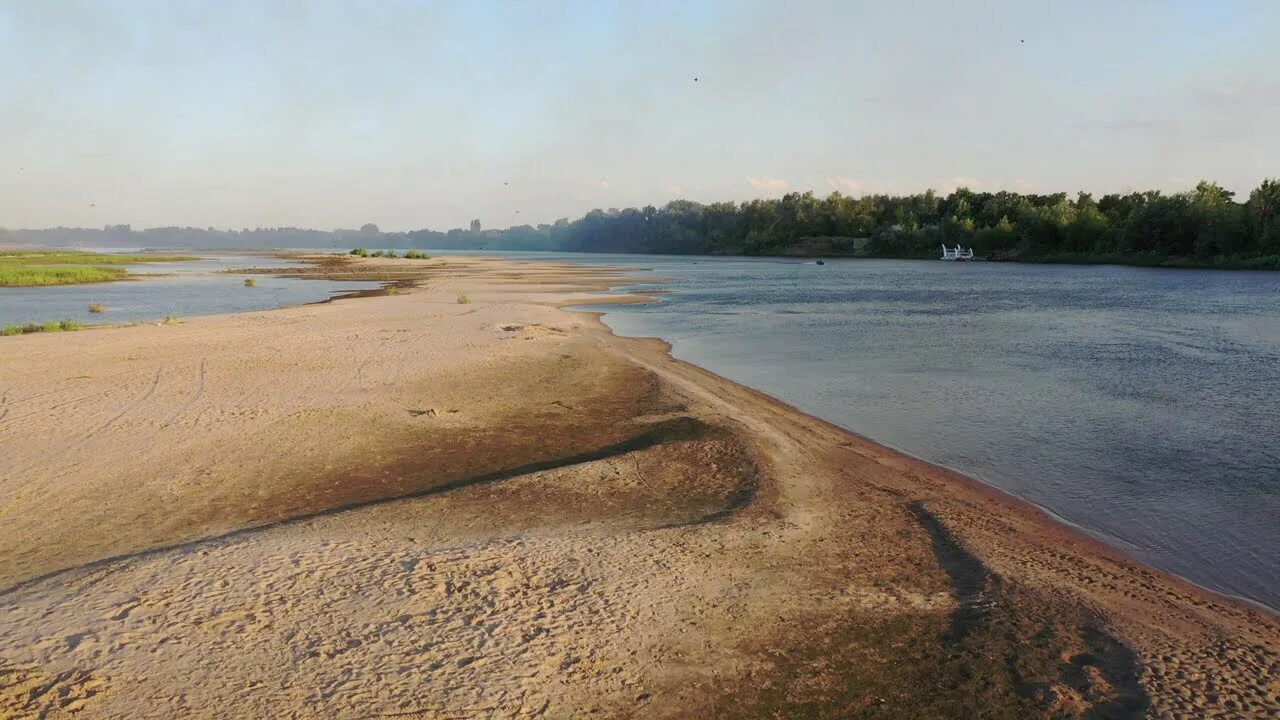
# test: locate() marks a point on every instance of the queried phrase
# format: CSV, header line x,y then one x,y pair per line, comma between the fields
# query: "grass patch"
x,y
44,327
359,252
40,275
250,282
97,308
416,255
170,319
28,268
464,299
73,257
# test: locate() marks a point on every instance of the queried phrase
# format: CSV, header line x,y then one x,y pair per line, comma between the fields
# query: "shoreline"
x,y
980,485
1050,515
538,439
974,482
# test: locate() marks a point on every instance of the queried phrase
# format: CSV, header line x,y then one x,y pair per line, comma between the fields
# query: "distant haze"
x,y
427,115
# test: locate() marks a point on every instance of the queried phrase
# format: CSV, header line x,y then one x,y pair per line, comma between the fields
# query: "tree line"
x,y
1206,224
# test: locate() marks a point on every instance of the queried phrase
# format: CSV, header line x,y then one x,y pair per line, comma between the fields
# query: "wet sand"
x,y
405,506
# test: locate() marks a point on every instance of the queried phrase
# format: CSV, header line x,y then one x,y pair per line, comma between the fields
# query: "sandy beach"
x,y
406,506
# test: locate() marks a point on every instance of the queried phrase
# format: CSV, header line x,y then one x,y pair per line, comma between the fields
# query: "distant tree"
x,y
1164,225
475,225
1000,237
1263,214
1088,231
1220,221
369,229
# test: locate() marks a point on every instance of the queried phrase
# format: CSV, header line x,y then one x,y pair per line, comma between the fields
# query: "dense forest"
x,y
1205,226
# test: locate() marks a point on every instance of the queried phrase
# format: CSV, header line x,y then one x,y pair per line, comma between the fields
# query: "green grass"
x,y
416,255
250,282
171,320
97,308
47,326
464,299
73,257
35,275
25,268
360,252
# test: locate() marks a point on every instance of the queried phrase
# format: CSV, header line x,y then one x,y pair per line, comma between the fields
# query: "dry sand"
x,y
408,507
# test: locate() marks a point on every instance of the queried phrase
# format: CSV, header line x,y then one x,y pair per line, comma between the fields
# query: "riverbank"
x,y
499,508
1268,262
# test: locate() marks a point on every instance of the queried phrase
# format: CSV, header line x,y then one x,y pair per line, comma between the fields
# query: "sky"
x,y
428,114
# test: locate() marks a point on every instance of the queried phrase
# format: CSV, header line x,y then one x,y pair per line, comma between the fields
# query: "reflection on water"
x,y
1140,404
197,287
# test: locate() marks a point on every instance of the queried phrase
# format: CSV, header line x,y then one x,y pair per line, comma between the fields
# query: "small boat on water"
x,y
820,262
957,254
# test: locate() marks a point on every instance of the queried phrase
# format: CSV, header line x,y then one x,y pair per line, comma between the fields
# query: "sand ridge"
x,y
404,506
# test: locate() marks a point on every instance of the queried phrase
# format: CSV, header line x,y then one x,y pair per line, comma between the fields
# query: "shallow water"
x,y
1142,405
197,287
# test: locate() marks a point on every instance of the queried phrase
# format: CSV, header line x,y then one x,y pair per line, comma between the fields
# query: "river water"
x,y
196,287
1142,405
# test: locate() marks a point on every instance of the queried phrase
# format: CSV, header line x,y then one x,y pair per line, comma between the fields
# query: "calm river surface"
x,y
1142,405
197,287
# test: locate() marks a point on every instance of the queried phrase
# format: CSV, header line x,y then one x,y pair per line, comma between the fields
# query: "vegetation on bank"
x,y
1203,227
409,255
48,326
34,275
26,268
76,257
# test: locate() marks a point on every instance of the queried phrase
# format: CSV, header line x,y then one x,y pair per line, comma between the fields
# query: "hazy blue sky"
x,y
415,114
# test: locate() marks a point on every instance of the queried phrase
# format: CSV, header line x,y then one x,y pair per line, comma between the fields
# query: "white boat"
x,y
957,253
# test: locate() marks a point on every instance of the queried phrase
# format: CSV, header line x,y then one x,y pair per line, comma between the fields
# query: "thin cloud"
x,y
1135,125
772,184
604,184
845,184
962,181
